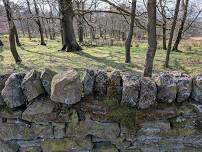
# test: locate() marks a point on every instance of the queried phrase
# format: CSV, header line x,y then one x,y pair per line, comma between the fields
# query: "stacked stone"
x,y
41,115
19,89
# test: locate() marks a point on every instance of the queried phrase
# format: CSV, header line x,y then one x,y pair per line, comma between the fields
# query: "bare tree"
x,y
152,42
80,6
172,33
130,34
185,4
11,31
70,43
37,20
164,25
16,35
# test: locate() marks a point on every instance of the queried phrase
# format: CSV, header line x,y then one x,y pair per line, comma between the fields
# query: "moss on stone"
x,y
181,132
124,115
181,128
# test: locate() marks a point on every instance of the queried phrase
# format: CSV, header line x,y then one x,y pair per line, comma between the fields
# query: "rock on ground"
x,y
131,88
88,82
66,88
32,86
46,79
197,89
167,88
100,83
12,93
148,93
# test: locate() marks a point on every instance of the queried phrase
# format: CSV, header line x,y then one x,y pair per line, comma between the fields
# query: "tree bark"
x,y
38,22
180,32
80,5
172,33
11,32
163,13
130,34
152,42
28,31
16,35
22,28
70,43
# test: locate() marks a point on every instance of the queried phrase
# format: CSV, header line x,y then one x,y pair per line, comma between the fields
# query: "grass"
x,y
106,57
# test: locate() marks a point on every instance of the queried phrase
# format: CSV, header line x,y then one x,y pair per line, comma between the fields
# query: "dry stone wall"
x,y
44,112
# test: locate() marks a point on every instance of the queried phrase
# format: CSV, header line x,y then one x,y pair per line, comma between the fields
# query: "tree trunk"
x,y
41,32
44,27
70,43
172,33
80,4
130,34
180,32
38,22
28,31
16,35
164,26
22,28
11,32
49,29
61,26
151,7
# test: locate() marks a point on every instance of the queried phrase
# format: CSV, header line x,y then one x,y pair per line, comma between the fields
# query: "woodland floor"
x,y
106,57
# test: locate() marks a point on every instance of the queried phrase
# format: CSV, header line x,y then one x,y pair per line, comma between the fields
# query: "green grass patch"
x,y
35,56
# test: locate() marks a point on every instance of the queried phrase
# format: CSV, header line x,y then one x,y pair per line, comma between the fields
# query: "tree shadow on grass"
x,y
45,54
102,60
193,52
112,63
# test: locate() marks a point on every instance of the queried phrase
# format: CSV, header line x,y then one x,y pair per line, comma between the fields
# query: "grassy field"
x,y
106,57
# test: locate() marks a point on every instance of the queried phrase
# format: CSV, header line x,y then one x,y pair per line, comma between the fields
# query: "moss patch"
x,y
181,128
124,115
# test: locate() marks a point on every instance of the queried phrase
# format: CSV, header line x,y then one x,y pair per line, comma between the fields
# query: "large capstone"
x,y
148,93
131,88
3,78
197,89
88,82
184,86
115,85
32,86
46,79
167,88
66,87
100,83
12,93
